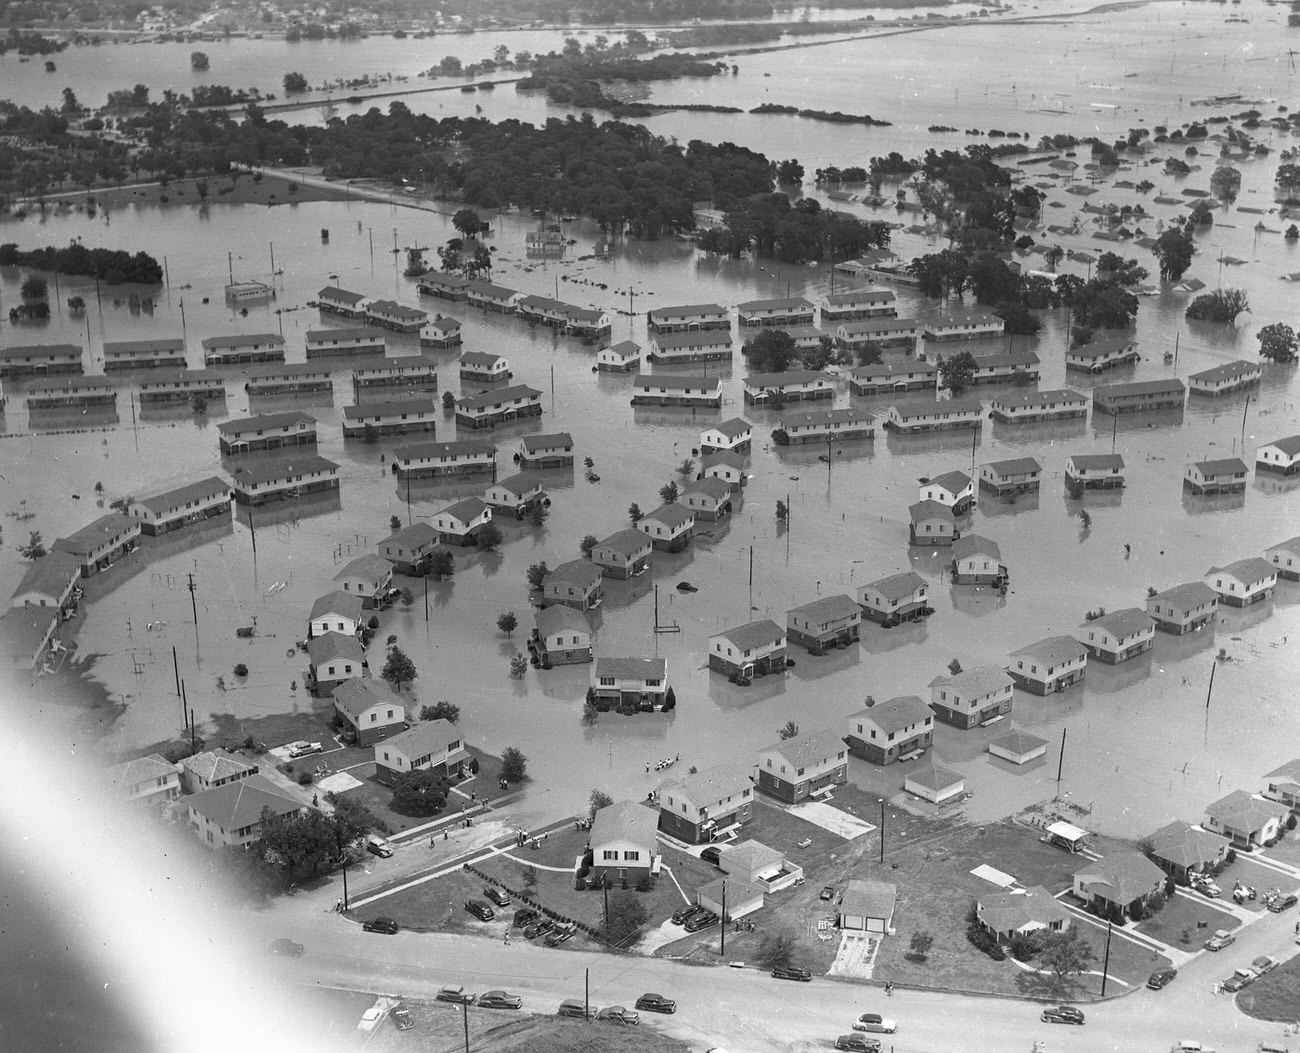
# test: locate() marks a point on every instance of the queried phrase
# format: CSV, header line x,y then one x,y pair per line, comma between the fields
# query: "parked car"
x,y
304,749
696,922
682,913
827,893
454,994
656,1003
1239,980
402,1019
616,1014
1062,1014
875,1022
1264,964
1282,903
712,854
480,909
499,1000
381,924
377,845
497,895
792,972
1221,939
1189,1045
858,1043
1161,978
1209,889
538,928
287,947
558,935
525,916
573,1007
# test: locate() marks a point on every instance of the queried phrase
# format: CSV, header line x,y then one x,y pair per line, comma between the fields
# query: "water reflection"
x,y
1273,484
290,511
1171,649
1202,504
1011,505
809,666
1119,423
1092,500
729,698
928,444
1040,433
878,640
976,601
1106,679
60,420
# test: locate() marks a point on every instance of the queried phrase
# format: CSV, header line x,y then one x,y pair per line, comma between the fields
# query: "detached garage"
x,y
1018,747
868,906
935,784
742,898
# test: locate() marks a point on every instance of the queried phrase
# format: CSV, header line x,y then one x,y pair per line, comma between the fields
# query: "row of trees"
x,y
772,227
109,265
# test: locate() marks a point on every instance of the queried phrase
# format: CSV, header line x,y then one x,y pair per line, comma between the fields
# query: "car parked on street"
x,y
402,1019
287,948
381,924
1263,964
480,909
497,895
1161,978
791,972
857,1043
499,1000
573,1007
616,1014
1221,939
875,1022
1062,1014
656,1003
1283,903
454,994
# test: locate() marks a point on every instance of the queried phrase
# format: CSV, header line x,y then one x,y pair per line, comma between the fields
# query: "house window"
x,y
631,856
610,854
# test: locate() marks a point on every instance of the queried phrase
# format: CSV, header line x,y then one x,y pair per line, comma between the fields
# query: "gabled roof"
x,y
782,380
733,428
671,515
369,566
242,340
864,898
1091,461
466,510
456,448
1140,387
404,407
896,586
1188,595
333,292
579,572
264,422
696,338
1053,650
895,714
780,303
357,695
975,545
1185,845
1289,770
752,634
1120,878
677,382
498,396
1251,569
1040,398
1222,466
274,471
1016,466
710,486
182,495
84,541
414,536
924,510
1125,622
727,457
828,608
519,484
626,542
624,348
953,482
50,575
1290,445
1228,371
624,821
426,737
1101,348
481,358
347,604
712,784
933,407
334,645
486,288
560,619
548,441
810,748
858,296
239,804
690,308
1289,545
1242,812
216,765
141,769
632,668
975,683
1018,908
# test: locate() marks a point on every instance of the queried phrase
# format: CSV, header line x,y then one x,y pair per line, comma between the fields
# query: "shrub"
x,y
304,778
241,670
1230,857
645,884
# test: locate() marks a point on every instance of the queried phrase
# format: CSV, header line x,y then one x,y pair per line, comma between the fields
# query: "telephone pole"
x,y
194,608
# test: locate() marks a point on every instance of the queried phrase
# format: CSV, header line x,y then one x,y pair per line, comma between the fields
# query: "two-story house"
x,y
895,599
931,524
181,506
669,527
887,731
977,560
623,844
1051,664
267,431
460,523
578,583
1280,455
973,696
706,806
410,548
624,554
367,576
213,768
1093,471
627,683
1224,475
708,500
333,658
1021,475
550,450
956,490
498,406
832,621
230,816
431,745
370,708
734,434
803,766
1285,558
1244,582
1119,635
1225,379
335,612
101,542
561,636
50,581
484,367
753,649
145,782
517,495
1184,608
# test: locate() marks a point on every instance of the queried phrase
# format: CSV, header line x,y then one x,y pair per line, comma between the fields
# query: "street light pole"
x,y
882,830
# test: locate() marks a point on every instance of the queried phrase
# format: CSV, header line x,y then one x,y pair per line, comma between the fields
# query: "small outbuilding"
x,y
1018,747
729,898
868,906
936,784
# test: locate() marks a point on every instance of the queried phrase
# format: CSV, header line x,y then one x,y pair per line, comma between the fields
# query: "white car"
x,y
875,1022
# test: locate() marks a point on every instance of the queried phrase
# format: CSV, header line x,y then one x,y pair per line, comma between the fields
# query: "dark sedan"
x,y
1062,1014
656,1003
385,925
499,1000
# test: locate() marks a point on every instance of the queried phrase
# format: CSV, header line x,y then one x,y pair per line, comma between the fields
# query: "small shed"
x,y
1018,747
1068,836
868,906
934,783
742,898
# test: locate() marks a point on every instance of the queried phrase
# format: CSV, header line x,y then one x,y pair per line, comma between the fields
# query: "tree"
x,y
198,60
441,710
782,512
1066,953
1225,182
590,714
771,351
35,287
634,512
1278,342
294,82
777,948
687,468
624,917
539,514
1174,249
76,304
507,622
588,544
599,799
467,221
956,372
489,537
537,574
668,493
1052,256
301,845
514,765
35,547
1222,305
919,948
394,523
789,172
421,792
789,731
442,564
398,669
518,667
954,667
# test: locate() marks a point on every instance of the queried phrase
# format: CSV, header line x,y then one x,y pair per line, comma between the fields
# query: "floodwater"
x,y
1141,748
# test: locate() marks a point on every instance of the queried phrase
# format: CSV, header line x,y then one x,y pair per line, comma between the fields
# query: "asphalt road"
x,y
748,1010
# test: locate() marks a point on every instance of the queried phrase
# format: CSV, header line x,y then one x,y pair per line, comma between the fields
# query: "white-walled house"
x,y
1244,582
1118,636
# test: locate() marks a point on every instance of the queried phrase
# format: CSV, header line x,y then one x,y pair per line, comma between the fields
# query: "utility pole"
x,y
722,929
465,1017
1105,964
176,669
882,831
1060,763
345,886
1243,423
604,884
193,744
193,606
586,994
1214,664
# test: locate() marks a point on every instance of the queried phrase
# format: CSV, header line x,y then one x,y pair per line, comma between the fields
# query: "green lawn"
x,y
1180,916
1287,850
433,906
1274,996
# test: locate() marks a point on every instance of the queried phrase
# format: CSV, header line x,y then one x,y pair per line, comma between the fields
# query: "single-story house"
x,y
213,768
708,805
431,745
1246,820
934,783
370,708
623,843
50,581
868,906
804,766
1051,664
562,636
1180,849
1284,785
1118,881
894,599
888,731
231,815
1018,912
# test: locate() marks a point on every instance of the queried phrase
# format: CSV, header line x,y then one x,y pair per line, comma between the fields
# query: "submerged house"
x,y
1280,455
916,417
624,554
1018,476
640,683
981,695
1139,396
358,340
955,490
1118,636
181,506
1225,379
891,730
1048,665
1094,471
413,372
805,766
268,431
894,599
561,636
1223,476
498,406
1026,407
832,621
733,434
1184,608
662,390
550,450
978,561
372,419
463,457
753,649
931,524
1244,582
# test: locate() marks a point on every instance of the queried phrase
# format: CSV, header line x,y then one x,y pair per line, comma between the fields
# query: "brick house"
x,y
706,806
370,708
753,649
804,766
973,696
431,745
886,731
